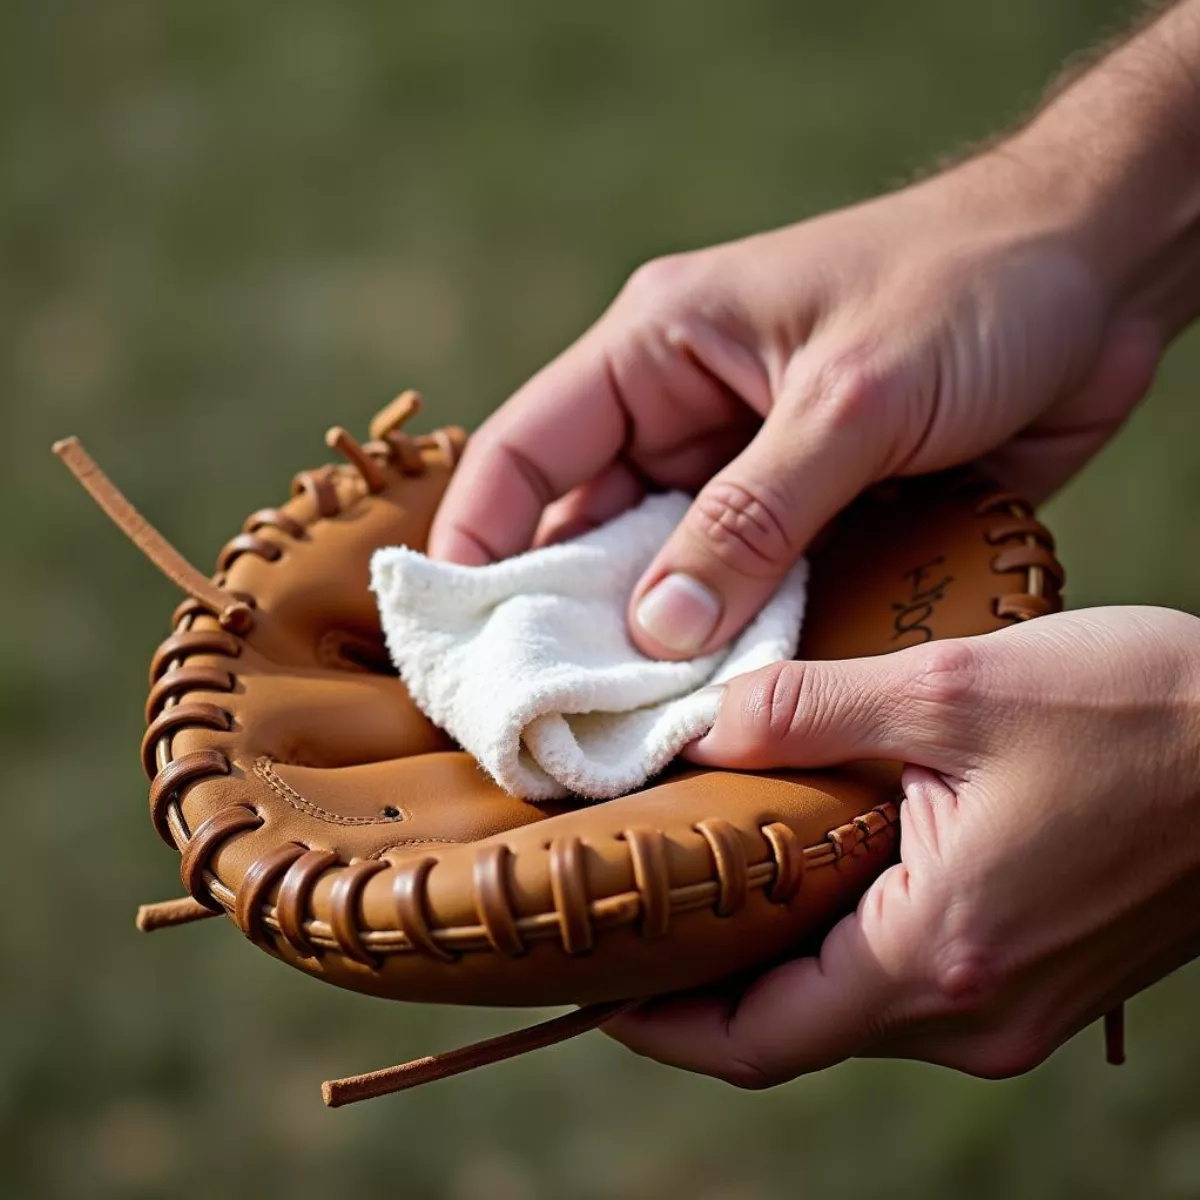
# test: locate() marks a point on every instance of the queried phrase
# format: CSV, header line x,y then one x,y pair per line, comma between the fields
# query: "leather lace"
x,y
292,869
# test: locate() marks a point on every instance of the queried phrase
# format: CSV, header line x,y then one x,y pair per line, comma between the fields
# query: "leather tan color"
x,y
315,805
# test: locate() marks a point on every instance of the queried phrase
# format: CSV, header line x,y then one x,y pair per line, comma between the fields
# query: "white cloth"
x,y
527,663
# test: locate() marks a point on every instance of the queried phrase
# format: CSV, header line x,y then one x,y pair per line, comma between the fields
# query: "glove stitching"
x,y
264,770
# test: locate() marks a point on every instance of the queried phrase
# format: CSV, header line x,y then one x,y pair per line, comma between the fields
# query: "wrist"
x,y
1130,219
1113,160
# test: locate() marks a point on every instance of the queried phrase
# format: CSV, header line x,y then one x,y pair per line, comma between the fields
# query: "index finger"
x,y
559,430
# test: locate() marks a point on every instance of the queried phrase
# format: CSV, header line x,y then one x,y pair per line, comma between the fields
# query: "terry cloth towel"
x,y
527,664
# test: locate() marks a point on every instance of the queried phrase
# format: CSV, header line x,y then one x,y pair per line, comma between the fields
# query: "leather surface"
x,y
344,833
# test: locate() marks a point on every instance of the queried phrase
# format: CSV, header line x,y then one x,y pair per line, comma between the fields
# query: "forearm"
x,y
1118,151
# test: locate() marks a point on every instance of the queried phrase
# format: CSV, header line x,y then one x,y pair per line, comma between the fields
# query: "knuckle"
x,y
944,672
967,979
791,704
531,473
658,282
773,703
967,969
743,527
847,388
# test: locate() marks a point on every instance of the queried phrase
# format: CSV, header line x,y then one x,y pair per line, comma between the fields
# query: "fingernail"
x,y
679,613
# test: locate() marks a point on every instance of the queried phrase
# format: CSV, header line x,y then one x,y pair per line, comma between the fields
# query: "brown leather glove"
x,y
312,803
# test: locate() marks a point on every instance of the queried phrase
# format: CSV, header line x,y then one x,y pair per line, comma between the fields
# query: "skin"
x,y
1011,311
1031,895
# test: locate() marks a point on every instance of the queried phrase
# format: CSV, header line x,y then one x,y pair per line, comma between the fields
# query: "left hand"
x,y
1049,858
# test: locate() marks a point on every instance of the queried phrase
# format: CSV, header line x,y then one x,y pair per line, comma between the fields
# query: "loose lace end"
x,y
233,613
336,1092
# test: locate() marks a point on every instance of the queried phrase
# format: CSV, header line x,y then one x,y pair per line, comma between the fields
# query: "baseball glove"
x,y
315,806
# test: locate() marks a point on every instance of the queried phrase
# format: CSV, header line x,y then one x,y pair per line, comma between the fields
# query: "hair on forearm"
x,y
1078,64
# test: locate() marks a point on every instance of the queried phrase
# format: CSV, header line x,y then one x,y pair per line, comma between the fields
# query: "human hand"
x,y
779,375
1049,858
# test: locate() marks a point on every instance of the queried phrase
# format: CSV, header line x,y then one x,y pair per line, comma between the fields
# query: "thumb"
x,y
813,454
916,705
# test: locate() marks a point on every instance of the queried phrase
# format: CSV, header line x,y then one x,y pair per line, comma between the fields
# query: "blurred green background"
x,y
227,225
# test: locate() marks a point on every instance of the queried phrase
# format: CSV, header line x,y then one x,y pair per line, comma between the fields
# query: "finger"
x,y
590,505
558,431
751,522
803,1016
918,705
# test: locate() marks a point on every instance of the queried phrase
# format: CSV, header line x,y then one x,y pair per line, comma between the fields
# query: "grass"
x,y
226,226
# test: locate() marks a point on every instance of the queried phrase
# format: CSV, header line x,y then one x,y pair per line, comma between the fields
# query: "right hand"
x,y
1047,867
778,376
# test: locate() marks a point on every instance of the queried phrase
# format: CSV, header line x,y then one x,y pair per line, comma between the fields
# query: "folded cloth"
x,y
527,663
